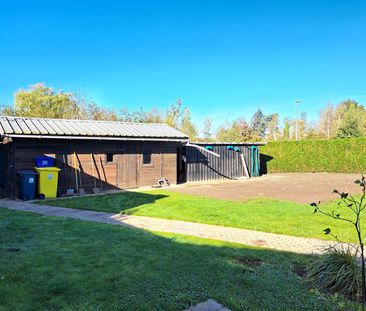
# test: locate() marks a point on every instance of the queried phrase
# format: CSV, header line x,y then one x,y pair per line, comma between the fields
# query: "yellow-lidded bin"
x,y
47,181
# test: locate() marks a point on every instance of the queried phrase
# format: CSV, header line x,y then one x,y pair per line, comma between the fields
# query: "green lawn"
x,y
258,214
50,263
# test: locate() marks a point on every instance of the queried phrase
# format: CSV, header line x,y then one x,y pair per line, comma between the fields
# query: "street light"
x,y
297,112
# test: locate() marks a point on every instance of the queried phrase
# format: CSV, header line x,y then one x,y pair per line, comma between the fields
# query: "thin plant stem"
x,y
356,206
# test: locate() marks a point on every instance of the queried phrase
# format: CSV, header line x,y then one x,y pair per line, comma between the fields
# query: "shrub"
x,y
337,271
342,273
335,155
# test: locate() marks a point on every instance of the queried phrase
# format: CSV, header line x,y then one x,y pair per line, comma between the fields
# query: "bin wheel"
x,y
41,196
25,198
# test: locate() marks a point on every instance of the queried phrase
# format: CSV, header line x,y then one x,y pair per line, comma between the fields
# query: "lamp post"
x,y
297,112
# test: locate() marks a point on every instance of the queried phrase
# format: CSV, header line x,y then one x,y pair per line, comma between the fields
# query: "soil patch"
x,y
299,270
298,187
251,262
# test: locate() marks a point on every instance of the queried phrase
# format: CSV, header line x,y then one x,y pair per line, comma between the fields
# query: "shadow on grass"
x,y
113,202
76,265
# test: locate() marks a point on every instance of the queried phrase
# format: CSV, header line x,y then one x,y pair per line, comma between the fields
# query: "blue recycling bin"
x,y
27,180
44,161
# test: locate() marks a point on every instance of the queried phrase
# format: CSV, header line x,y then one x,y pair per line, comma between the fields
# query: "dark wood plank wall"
x,y
125,171
150,171
202,166
7,185
169,158
163,163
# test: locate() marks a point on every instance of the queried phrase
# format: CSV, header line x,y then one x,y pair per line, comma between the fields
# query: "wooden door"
x,y
128,169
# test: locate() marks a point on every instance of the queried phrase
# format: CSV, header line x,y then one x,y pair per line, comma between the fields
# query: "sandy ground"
x,y
298,187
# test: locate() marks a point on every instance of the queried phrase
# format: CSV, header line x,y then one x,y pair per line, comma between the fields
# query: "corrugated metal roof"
x,y
15,126
230,143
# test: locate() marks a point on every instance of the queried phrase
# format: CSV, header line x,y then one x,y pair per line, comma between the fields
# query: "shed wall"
x,y
202,166
125,171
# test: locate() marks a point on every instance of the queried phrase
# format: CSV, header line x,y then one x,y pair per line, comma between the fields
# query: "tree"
x,y
327,121
237,131
124,115
302,125
153,116
94,112
180,118
207,129
350,127
286,129
272,124
42,101
174,114
312,131
351,119
187,126
259,124
6,110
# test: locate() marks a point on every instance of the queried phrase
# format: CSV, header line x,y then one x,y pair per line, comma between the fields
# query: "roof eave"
x,y
70,137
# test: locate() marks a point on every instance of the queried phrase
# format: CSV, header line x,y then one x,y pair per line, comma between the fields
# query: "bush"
x,y
337,271
335,155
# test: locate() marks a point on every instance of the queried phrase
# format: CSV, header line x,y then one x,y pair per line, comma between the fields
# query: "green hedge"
x,y
335,155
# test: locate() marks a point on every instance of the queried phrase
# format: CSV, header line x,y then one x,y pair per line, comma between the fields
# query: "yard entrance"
x,y
298,187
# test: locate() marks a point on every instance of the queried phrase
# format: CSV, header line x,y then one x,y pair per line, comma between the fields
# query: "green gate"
x,y
255,161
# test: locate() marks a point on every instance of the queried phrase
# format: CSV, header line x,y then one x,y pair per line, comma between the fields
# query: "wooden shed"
x,y
236,160
109,155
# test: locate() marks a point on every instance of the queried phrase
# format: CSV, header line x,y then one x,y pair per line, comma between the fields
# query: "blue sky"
x,y
224,59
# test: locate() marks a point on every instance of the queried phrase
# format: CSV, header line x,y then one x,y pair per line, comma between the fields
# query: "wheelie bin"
x,y
44,161
47,182
27,180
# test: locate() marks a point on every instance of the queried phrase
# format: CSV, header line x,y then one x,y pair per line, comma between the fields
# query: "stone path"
x,y
241,236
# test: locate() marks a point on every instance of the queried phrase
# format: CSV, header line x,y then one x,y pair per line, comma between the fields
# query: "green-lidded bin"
x,y
27,180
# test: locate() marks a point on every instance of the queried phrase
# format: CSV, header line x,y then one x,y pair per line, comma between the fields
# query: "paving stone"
x,y
209,305
214,304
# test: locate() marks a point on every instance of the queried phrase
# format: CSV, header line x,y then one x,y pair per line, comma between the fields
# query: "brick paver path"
x,y
241,236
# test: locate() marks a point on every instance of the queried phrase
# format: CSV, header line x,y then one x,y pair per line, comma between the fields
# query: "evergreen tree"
x,y
351,119
259,124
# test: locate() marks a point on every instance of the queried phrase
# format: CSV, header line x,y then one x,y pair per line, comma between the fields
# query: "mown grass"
x,y
50,263
266,215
